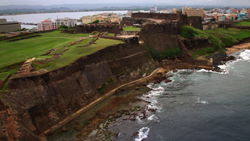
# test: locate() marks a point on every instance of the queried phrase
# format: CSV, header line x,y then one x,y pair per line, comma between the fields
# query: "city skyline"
x,y
172,2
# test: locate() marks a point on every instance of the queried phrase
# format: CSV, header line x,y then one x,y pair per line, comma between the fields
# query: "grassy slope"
x,y
131,28
75,52
219,37
243,23
18,51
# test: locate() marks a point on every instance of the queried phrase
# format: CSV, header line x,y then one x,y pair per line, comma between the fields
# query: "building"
x,y
193,12
66,21
46,25
168,11
242,16
114,18
129,13
9,26
90,19
248,13
243,11
153,9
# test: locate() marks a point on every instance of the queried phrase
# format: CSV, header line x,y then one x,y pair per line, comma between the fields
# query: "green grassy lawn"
x,y
131,28
243,23
18,51
75,52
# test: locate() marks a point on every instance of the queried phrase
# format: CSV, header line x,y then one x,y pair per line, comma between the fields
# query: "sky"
x,y
172,2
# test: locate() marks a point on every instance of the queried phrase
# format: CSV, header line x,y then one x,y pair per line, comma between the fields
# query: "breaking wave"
x,y
142,134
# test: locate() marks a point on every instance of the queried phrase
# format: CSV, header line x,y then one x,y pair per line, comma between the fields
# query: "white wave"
x,y
139,119
201,101
222,67
244,56
142,133
153,117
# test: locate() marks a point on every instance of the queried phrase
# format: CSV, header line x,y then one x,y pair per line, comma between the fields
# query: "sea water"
x,y
198,105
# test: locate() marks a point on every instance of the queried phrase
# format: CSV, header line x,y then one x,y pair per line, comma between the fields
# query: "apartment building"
x,y
89,19
248,13
46,25
9,26
153,9
193,12
66,21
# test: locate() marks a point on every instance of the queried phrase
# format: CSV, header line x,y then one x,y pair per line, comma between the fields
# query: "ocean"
x,y
36,18
197,105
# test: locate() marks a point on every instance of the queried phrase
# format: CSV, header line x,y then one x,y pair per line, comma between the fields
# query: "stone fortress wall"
x,y
88,28
40,101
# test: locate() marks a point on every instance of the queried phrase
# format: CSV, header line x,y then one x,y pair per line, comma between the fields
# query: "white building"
x,y
66,21
46,25
153,9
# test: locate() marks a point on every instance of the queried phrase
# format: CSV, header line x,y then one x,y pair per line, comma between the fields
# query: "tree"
x,y
96,21
213,20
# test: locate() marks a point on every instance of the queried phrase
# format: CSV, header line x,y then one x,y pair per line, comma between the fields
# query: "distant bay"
x,y
36,18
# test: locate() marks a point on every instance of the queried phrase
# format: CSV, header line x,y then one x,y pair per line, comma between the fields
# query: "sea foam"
x,y
142,133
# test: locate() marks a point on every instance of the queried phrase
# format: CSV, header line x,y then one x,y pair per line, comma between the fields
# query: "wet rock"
x,y
167,81
170,75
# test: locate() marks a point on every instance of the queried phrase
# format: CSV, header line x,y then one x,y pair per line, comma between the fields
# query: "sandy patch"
x,y
237,47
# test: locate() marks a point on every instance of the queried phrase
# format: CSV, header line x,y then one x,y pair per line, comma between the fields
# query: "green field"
x,y
13,54
131,28
18,51
74,52
243,23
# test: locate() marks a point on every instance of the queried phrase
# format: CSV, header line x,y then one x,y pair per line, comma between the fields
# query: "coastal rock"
x,y
167,81
217,58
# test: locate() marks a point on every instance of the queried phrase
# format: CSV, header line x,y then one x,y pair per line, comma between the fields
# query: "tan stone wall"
x,y
193,12
3,21
9,27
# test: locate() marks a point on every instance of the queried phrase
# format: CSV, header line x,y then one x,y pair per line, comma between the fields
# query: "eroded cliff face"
x,y
40,101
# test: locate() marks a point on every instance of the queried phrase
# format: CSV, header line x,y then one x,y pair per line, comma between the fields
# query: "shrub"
x,y
2,37
96,21
63,26
154,53
172,52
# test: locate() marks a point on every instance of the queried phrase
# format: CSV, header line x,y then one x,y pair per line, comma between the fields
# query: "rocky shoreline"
x,y
132,106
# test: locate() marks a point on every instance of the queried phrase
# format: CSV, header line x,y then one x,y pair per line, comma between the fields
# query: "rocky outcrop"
x,y
217,58
40,101
196,42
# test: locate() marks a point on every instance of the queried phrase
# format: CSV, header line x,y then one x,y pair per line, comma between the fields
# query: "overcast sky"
x,y
245,3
